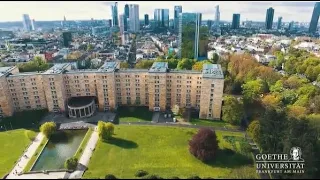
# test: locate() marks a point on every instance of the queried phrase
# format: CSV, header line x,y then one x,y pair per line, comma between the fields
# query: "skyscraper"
x,y
209,23
114,10
269,18
235,21
146,19
26,22
134,17
189,36
279,23
177,11
126,10
314,18
122,19
217,16
33,25
161,17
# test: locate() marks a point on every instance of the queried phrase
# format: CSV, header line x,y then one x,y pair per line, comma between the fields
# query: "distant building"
x,y
269,18
161,16
146,19
134,17
33,25
279,22
189,23
235,21
209,24
217,16
109,23
290,25
114,10
177,11
67,38
126,10
27,22
314,18
122,19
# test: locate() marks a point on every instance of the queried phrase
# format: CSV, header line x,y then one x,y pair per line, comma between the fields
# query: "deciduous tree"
x,y
48,128
232,110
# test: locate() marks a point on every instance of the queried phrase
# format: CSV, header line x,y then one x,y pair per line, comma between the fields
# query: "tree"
x,y
71,163
37,64
315,104
232,110
253,130
199,65
90,47
48,128
271,100
294,82
105,130
267,74
124,65
185,64
144,64
29,134
252,90
204,144
296,111
141,173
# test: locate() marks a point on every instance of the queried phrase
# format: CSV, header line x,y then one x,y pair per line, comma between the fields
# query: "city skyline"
x,y
12,11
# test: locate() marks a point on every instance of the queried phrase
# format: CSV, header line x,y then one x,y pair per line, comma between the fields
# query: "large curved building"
x,y
158,88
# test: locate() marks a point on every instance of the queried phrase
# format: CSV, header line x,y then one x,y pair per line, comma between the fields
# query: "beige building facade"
x,y
158,88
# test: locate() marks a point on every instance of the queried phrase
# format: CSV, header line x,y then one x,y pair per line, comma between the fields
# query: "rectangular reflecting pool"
x,y
61,146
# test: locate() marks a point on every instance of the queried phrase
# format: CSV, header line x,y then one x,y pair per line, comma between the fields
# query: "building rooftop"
x,y
212,71
109,67
6,70
159,67
58,68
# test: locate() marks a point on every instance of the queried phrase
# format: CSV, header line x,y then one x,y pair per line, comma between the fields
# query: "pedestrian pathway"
x,y
86,156
24,159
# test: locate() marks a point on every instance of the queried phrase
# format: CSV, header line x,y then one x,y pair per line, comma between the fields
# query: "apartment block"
x,y
159,88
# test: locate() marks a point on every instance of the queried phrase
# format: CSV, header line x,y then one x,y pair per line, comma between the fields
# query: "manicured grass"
x,y
13,143
35,156
162,151
83,144
213,123
134,114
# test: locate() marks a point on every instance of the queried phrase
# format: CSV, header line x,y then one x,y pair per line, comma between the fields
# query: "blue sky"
x,y
55,10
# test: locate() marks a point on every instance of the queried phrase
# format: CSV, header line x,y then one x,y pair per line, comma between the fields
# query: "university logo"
x,y
296,154
281,163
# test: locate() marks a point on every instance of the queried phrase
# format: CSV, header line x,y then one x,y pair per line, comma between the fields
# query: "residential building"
x,y
159,88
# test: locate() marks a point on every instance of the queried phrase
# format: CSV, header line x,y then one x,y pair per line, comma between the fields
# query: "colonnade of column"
x,y
81,112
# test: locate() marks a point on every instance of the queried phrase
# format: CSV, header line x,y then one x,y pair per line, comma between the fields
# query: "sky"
x,y
85,10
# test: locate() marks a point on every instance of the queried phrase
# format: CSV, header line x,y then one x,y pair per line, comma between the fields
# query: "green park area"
x,y
163,151
13,143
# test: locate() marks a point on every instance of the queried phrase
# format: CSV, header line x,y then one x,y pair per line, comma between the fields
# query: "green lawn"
x,y
35,156
213,123
83,144
134,114
13,143
163,151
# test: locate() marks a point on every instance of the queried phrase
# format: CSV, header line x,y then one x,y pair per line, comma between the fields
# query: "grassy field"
x,y
13,143
35,155
83,144
213,123
134,114
164,151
